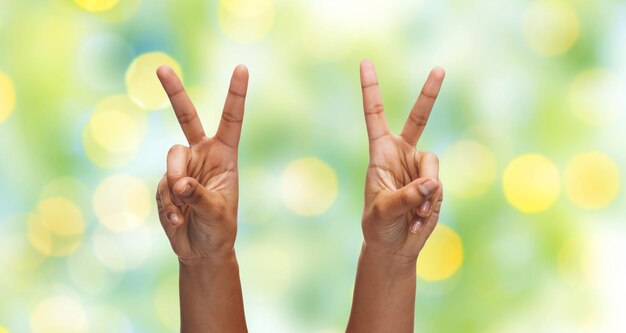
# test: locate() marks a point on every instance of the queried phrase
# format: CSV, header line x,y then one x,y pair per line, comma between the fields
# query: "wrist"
x,y
216,258
388,258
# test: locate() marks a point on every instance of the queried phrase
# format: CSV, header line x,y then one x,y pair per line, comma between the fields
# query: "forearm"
x,y
384,293
210,295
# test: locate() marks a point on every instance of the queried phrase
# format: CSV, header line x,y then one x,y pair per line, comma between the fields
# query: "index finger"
x,y
420,113
372,102
183,107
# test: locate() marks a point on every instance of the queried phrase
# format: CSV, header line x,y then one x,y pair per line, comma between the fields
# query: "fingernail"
x,y
174,219
428,187
425,207
415,226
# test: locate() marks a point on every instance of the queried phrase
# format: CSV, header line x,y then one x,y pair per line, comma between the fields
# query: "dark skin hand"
x,y
403,198
197,200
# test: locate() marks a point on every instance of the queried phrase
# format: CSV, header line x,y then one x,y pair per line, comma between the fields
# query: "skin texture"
x,y
403,198
197,200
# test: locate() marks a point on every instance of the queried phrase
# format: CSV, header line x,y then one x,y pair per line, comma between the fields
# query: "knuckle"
x,y
237,94
231,118
405,198
430,156
375,110
429,92
173,149
169,209
418,119
187,117
378,210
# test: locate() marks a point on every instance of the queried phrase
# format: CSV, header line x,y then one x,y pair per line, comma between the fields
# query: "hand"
x,y
403,194
198,196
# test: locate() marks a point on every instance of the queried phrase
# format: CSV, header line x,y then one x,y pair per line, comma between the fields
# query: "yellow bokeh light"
x,y
246,20
309,186
592,180
96,5
550,27
57,227
61,216
142,83
109,129
122,202
442,255
114,132
597,96
60,314
7,96
468,168
531,183
3,330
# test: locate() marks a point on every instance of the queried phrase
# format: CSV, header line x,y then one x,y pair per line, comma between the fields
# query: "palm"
x,y
214,166
394,166
201,187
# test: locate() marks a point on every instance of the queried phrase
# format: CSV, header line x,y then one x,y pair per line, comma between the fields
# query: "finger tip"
x,y
367,63
438,72
241,70
163,71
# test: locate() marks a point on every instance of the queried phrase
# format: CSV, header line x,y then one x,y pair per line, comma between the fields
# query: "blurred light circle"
x,y
118,125
57,227
246,20
442,255
142,83
122,202
469,168
114,132
597,96
3,330
101,157
123,251
592,180
166,302
89,274
531,183
96,5
7,96
102,59
309,186
70,188
61,216
550,28
60,314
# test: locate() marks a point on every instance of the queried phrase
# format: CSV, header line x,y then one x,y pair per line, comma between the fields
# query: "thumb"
x,y
194,194
409,197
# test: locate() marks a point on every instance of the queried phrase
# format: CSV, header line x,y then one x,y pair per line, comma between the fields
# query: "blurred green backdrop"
x,y
529,127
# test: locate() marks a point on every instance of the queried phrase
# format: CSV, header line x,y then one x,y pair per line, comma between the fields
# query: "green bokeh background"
x,y
558,270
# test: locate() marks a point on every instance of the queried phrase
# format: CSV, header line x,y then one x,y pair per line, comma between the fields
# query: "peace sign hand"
x,y
402,190
198,196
